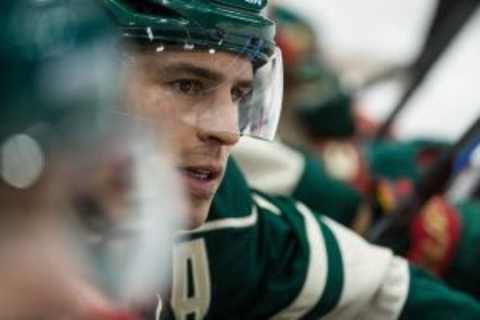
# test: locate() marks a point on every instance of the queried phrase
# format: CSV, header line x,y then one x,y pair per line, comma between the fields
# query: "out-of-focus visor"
x,y
211,91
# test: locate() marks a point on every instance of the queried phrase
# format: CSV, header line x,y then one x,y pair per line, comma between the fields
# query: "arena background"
x,y
363,37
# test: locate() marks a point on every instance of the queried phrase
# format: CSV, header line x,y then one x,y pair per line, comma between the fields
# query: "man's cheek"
x,y
184,136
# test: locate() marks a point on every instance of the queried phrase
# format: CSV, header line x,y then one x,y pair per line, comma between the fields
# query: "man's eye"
x,y
241,94
188,87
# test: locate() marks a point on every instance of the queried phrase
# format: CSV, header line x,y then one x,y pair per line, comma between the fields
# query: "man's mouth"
x,y
201,181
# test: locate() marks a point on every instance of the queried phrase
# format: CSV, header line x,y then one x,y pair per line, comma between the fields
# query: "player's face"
x,y
195,95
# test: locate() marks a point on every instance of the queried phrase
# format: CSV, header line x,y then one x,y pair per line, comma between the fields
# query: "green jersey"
x,y
278,169
262,257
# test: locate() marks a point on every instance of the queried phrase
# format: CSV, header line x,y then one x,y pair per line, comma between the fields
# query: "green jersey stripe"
x,y
316,276
372,277
265,204
228,223
335,280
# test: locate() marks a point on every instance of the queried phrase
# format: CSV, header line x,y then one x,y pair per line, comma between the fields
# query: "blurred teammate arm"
x,y
341,276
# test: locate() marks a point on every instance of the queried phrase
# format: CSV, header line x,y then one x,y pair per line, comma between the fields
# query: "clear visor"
x,y
220,94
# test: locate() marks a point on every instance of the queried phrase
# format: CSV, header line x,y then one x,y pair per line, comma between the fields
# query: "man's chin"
x,y
198,214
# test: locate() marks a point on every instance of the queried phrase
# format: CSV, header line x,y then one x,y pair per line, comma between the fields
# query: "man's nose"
x,y
221,123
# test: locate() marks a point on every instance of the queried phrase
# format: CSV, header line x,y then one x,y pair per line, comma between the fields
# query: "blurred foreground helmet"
x,y
235,27
89,206
56,81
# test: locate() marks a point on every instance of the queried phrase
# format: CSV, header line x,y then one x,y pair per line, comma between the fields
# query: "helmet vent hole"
x,y
149,8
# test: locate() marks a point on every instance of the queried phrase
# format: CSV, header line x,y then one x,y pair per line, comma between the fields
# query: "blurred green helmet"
x,y
322,104
313,89
57,79
237,27
296,37
66,142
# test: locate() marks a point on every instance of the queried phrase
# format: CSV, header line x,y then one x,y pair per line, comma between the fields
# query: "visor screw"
x,y
220,34
212,51
188,46
150,34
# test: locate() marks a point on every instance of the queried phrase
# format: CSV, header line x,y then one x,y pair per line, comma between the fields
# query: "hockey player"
x,y
210,71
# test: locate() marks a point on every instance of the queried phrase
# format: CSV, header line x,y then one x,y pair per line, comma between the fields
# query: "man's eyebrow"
x,y
191,69
244,83
201,72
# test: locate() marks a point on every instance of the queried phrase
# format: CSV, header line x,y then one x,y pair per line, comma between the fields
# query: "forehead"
x,y
225,65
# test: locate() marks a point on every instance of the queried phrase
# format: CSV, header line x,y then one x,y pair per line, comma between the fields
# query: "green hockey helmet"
x,y
237,27
57,79
231,25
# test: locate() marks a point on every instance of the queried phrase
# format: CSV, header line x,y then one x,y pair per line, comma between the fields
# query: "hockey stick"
x,y
434,181
450,18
